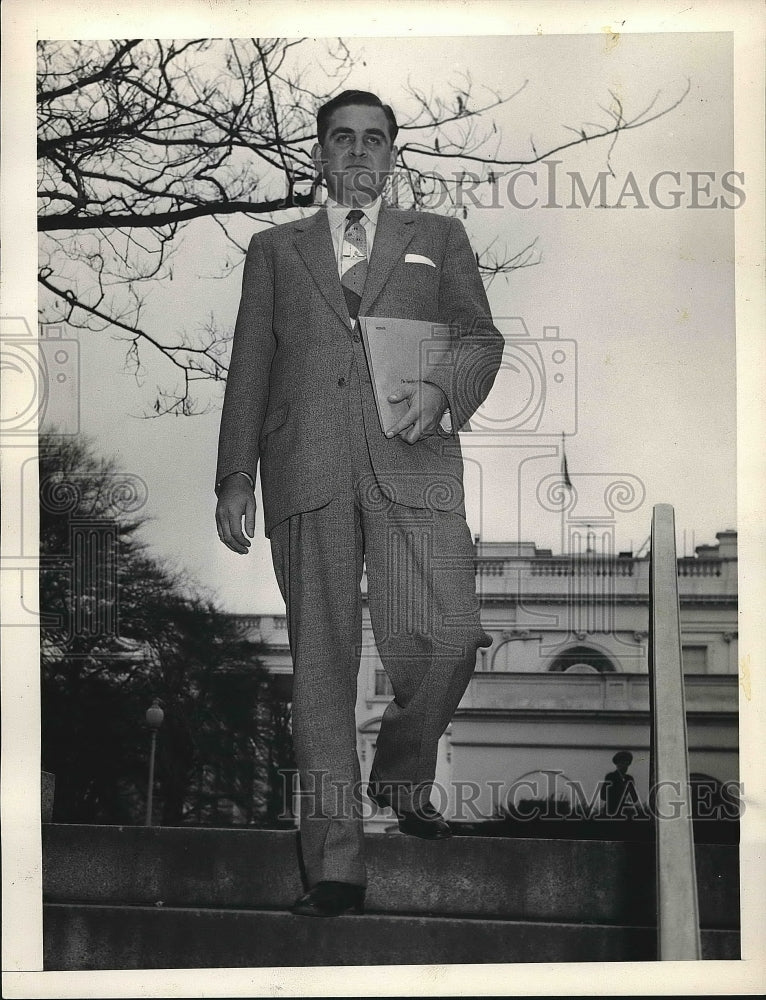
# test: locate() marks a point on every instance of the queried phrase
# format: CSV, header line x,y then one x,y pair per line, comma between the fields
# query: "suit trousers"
x,y
424,614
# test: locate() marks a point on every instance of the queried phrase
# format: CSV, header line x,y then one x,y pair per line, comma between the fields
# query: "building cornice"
x,y
637,600
589,714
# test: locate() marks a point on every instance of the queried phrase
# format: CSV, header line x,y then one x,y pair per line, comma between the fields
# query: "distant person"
x,y
618,789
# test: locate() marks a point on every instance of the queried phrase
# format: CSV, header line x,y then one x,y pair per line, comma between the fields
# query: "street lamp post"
x,y
154,717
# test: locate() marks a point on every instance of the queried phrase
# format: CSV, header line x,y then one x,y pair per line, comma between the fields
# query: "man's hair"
x,y
349,97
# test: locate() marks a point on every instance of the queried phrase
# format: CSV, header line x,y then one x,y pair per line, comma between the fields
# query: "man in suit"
x,y
339,493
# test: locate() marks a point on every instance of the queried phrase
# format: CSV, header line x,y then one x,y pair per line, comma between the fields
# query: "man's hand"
x,y
427,405
235,501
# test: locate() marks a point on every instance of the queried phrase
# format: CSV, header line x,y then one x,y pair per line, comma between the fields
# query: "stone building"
x,y
565,683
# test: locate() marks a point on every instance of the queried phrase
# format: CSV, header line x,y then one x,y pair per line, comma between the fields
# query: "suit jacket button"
x,y
356,338
341,382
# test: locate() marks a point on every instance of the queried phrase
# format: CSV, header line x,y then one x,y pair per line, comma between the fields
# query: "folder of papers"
x,y
401,351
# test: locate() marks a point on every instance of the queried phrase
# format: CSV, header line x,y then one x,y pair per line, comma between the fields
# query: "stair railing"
x,y
678,935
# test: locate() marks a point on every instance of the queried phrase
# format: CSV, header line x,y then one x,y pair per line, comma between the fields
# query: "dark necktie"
x,y
353,261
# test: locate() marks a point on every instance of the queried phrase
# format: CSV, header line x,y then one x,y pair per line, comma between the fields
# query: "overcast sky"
x,y
647,294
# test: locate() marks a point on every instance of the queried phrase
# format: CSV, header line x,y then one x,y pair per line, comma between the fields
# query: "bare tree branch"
x,y
140,140
153,220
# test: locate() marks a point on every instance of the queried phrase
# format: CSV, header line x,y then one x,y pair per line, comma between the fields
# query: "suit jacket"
x,y
285,405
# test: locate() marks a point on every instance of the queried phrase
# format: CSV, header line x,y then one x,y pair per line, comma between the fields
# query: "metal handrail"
x,y
678,935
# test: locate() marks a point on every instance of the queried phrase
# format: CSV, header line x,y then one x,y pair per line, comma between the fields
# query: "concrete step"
x,y
553,881
113,937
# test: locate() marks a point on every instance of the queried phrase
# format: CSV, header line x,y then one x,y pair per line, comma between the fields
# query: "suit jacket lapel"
x,y
314,243
393,234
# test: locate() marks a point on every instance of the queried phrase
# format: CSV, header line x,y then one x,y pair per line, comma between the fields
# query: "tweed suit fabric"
x,y
285,401
299,407
425,620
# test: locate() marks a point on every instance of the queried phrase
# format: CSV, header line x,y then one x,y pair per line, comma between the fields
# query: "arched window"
x,y
582,660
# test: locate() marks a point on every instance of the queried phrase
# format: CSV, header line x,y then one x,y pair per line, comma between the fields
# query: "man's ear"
x,y
394,156
317,157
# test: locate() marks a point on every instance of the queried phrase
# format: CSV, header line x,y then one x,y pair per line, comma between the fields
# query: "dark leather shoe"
x,y
426,823
330,899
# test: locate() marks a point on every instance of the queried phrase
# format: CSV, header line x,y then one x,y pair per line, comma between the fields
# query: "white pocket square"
x,y
416,258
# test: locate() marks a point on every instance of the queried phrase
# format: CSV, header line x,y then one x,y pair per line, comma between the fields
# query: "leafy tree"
x,y
120,628
139,139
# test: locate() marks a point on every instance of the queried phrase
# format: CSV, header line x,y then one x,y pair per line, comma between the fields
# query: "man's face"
x,y
357,154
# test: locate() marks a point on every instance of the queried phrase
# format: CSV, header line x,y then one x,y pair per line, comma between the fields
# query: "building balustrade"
x,y
258,628
611,692
700,567
582,566
493,568
534,576
594,565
